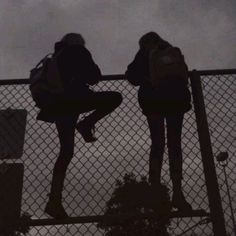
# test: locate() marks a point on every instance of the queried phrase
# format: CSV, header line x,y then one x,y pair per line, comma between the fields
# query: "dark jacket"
x,y
78,71
76,66
172,95
138,70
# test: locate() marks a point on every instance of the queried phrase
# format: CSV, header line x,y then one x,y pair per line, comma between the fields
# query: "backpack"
x,y
166,63
45,81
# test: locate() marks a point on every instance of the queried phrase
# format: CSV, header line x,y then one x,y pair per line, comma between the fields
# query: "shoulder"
x,y
78,50
71,50
141,55
176,49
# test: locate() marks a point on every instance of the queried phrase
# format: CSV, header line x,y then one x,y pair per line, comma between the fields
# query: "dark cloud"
x,y
204,31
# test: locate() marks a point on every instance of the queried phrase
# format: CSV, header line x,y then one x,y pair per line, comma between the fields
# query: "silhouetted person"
x,y
78,71
166,103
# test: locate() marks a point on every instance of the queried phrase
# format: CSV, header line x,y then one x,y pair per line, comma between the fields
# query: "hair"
x,y
73,38
151,38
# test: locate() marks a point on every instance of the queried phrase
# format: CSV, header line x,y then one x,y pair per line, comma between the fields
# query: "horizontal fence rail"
x,y
123,147
112,218
122,77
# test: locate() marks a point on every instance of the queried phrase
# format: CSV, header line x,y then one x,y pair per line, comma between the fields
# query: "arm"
x,y
186,66
93,73
84,68
137,71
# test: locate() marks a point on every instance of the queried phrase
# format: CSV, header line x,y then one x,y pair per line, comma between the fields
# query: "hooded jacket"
x,y
172,96
78,71
76,67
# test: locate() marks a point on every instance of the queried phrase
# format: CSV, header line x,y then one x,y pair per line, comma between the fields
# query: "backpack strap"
x,y
42,60
49,54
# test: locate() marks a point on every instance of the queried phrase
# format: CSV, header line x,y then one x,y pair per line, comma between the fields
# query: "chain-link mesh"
x,y
123,146
220,102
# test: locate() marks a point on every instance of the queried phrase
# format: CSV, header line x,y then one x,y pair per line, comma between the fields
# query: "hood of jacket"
x,y
59,46
62,45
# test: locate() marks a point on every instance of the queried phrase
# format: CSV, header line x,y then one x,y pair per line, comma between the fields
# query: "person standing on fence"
x,y
78,71
166,99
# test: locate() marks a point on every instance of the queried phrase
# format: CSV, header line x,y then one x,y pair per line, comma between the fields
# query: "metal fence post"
x,y
11,183
216,210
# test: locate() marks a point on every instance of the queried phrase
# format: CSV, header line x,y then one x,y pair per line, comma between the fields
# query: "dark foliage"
x,y
132,198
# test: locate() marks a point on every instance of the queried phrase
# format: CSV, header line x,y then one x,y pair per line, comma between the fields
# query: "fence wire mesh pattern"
x,y
123,146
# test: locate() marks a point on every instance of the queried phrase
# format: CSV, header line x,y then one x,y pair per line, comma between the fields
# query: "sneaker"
x,y
55,210
86,131
179,202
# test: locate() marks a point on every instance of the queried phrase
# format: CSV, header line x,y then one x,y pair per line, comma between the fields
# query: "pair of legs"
x,y
102,103
174,125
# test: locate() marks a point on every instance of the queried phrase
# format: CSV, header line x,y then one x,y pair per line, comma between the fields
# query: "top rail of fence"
x,y
121,76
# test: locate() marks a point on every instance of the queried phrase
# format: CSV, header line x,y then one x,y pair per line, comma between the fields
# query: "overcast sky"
x,y
205,30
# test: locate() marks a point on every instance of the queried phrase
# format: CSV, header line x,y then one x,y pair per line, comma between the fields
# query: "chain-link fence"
x,y
220,101
123,146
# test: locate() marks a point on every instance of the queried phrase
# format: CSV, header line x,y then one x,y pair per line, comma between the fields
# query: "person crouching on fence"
x,y
159,69
78,71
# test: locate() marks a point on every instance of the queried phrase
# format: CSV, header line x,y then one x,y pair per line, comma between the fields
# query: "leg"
x,y
103,103
157,131
174,131
66,131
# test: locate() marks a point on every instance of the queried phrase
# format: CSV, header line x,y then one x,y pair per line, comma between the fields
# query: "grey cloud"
x,y
204,30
